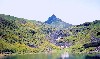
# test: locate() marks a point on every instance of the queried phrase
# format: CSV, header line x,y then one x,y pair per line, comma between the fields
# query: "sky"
x,y
71,11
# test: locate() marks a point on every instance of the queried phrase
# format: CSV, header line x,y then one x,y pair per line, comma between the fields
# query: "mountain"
x,y
85,37
57,23
19,35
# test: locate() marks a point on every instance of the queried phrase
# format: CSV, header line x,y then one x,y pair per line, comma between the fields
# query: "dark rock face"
x,y
97,49
93,39
64,44
59,33
56,22
93,44
98,33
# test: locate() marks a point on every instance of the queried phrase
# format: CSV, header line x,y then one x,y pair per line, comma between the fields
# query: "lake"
x,y
53,56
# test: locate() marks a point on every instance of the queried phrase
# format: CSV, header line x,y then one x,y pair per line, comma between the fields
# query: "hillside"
x,y
85,37
19,35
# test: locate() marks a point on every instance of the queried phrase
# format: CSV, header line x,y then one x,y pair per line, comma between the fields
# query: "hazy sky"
x,y
70,11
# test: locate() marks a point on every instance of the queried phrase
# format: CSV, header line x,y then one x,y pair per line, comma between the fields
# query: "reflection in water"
x,y
92,57
64,55
53,56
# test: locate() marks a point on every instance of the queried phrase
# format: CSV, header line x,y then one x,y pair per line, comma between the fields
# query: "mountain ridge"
x,y
19,35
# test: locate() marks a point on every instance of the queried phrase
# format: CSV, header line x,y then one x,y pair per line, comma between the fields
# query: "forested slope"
x,y
19,35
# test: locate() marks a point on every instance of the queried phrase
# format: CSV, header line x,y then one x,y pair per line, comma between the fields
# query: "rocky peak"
x,y
52,19
53,16
56,22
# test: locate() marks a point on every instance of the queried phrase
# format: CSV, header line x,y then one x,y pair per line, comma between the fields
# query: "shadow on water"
x,y
79,56
92,57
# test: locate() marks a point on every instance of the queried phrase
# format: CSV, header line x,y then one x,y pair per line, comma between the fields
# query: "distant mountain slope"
x,y
57,23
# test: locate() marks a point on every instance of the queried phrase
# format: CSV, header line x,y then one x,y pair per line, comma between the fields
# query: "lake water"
x,y
53,56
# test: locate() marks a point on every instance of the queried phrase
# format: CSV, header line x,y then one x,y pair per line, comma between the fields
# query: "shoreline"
x,y
3,55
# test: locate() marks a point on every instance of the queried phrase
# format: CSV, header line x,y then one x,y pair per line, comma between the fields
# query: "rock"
x,y
57,23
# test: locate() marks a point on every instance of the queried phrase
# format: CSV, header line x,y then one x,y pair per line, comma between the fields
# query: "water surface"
x,y
53,56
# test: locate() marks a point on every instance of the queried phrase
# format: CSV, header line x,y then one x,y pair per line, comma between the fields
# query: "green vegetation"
x,y
18,35
85,35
